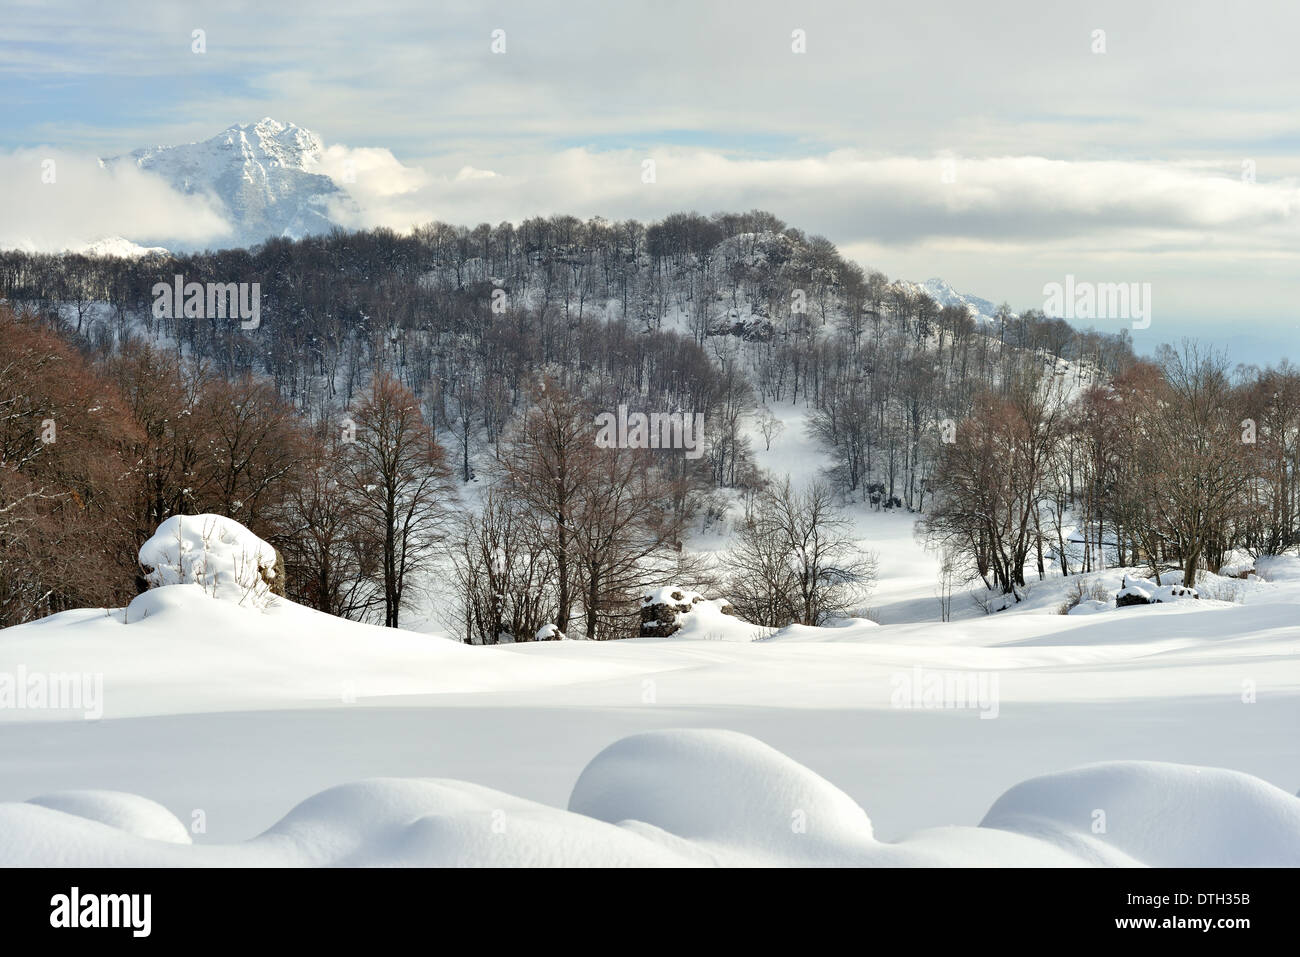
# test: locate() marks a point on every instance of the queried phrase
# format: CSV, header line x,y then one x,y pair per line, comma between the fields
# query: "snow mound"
x,y
135,815
1090,606
1163,815
1278,568
724,790
214,552
431,822
687,798
708,622
178,650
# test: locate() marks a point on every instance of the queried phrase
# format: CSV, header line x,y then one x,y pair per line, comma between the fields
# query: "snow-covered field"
x,y
1026,737
212,723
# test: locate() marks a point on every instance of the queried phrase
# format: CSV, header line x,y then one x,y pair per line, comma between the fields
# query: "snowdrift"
x,y
687,798
177,649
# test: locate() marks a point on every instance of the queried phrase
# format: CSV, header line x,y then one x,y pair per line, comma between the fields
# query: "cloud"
x,y
856,199
1212,241
850,196
55,200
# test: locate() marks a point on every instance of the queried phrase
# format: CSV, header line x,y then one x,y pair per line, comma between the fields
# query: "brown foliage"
x,y
65,470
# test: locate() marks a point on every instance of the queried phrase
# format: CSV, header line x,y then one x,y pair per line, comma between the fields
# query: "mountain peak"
x,y
942,292
263,174
269,140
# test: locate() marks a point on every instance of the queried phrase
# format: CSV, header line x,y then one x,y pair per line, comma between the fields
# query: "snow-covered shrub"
x,y
1084,592
1221,589
214,552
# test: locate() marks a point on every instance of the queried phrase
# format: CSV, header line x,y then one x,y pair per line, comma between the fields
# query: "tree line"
x,y
1176,463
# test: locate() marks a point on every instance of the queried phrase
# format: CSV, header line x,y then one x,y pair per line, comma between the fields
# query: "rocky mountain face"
x,y
263,174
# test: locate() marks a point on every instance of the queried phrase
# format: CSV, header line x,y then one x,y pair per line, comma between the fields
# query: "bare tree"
x,y
1197,438
396,473
546,463
795,559
504,578
769,426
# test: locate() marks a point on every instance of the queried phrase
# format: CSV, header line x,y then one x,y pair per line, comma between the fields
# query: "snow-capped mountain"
x,y
941,292
118,247
263,174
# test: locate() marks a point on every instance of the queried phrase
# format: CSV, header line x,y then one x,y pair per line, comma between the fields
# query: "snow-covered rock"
x,y
214,552
1140,591
671,609
265,175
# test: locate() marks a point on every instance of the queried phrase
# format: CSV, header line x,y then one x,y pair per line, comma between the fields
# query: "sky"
x,y
1002,145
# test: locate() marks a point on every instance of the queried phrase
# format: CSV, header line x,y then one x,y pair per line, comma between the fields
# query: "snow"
x,y
705,620
121,248
941,292
129,813
1162,815
1152,593
671,595
178,650
264,175
239,712
214,552
1176,721
697,797
733,796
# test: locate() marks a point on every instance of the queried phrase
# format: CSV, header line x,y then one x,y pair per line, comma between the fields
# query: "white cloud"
x,y
85,202
853,197
1002,227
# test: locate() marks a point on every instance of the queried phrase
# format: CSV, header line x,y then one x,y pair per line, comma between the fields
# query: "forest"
x,y
429,401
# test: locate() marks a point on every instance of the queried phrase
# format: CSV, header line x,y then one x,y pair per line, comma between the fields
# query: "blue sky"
x,y
1122,164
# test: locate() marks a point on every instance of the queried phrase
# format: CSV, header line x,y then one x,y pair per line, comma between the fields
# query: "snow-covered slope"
x,y
177,649
264,174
